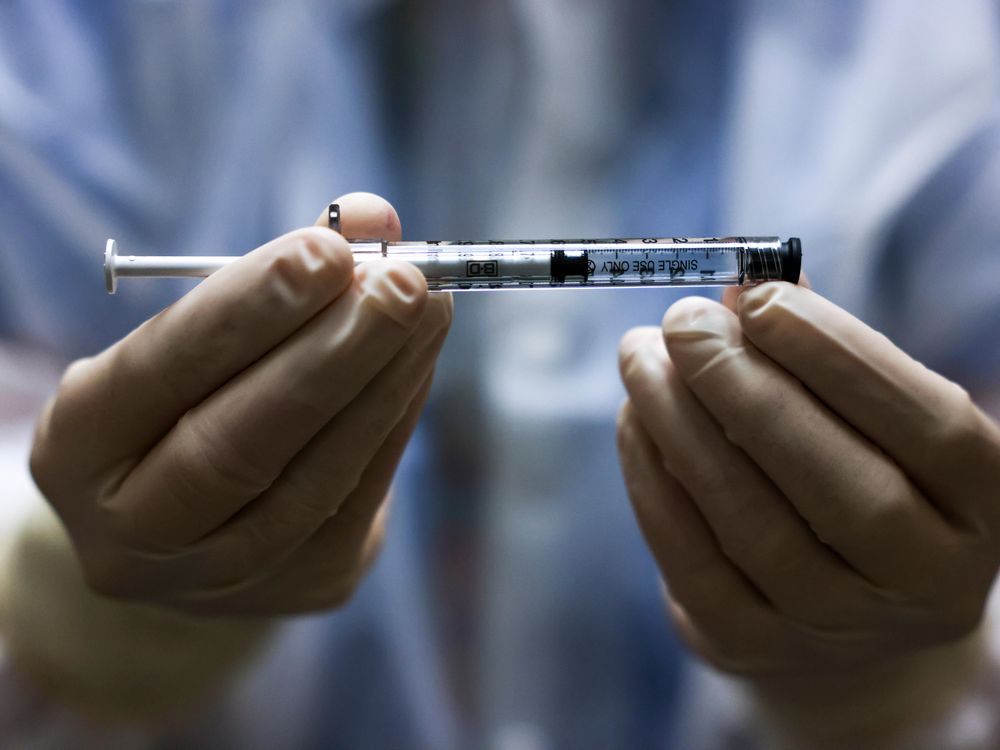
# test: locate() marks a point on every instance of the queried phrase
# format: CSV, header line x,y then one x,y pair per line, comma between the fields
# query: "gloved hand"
x,y
823,508
233,453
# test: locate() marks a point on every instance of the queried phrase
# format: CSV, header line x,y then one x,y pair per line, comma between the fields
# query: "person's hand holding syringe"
x,y
233,454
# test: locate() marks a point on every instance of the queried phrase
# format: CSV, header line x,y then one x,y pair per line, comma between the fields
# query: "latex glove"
x,y
823,508
232,454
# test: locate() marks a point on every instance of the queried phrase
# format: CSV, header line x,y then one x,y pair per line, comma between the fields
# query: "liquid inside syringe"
x,y
539,264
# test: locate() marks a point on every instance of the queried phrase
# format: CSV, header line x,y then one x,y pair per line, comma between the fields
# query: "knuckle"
x,y
395,291
957,421
41,462
78,372
66,418
205,459
324,251
110,577
439,313
765,314
70,401
310,260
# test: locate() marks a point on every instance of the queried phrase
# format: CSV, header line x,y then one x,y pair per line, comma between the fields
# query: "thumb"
x,y
365,216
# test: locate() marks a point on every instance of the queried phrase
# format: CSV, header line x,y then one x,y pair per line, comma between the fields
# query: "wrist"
x,y
115,661
879,706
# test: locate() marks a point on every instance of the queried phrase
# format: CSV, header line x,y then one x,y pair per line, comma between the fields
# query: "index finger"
x,y
926,423
365,215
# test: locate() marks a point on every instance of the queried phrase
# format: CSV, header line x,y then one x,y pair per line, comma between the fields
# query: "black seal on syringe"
x,y
569,263
791,267
767,264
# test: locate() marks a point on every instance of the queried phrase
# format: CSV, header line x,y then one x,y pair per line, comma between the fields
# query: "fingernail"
x,y
697,319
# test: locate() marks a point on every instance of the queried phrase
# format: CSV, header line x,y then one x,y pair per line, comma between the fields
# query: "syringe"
x,y
537,264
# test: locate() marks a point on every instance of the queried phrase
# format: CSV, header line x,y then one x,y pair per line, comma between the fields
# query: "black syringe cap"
x,y
791,268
